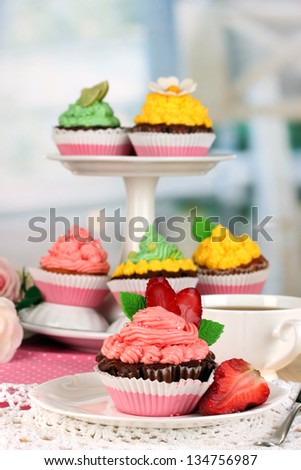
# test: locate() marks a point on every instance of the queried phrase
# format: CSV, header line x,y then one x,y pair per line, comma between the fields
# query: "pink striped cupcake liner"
x,y
80,290
156,144
250,283
152,398
92,142
138,286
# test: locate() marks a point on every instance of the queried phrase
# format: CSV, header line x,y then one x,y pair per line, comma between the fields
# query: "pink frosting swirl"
x,y
156,335
77,252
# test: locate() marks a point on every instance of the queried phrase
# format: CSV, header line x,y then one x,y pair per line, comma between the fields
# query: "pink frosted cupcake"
x,y
89,126
172,123
159,364
75,271
229,264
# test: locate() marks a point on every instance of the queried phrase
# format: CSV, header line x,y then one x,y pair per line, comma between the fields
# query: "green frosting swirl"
x,y
98,114
153,246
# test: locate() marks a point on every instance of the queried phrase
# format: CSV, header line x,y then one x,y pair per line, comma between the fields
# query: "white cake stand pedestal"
x,y
140,176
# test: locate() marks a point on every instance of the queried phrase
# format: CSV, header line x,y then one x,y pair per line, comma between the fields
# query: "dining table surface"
x,y
39,359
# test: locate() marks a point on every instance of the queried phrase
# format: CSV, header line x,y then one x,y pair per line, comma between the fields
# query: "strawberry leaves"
x,y
131,303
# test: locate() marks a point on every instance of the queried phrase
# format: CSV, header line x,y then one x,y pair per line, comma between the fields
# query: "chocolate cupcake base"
x,y
255,265
151,274
171,128
196,370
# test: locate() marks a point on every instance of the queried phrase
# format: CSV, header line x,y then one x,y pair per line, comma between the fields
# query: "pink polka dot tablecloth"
x,y
40,359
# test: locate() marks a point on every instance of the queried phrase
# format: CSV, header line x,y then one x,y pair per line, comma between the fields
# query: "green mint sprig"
x,y
210,331
131,303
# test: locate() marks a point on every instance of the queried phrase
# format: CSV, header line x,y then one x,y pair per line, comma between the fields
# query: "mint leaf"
x,y
131,303
210,331
202,228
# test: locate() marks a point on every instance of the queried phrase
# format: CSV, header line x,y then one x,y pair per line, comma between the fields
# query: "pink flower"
x,y
11,331
10,282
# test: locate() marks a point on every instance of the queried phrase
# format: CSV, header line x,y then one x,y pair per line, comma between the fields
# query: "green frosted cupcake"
x,y
156,258
89,126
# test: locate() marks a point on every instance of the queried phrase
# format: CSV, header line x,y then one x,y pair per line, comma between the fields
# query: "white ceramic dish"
x,y
263,329
139,166
83,397
65,316
88,341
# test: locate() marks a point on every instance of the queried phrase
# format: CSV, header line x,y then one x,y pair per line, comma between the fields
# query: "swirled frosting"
x,y
156,335
155,254
222,250
173,109
77,252
98,114
153,246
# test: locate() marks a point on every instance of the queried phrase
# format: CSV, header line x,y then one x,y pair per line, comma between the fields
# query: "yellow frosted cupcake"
x,y
172,122
155,258
230,265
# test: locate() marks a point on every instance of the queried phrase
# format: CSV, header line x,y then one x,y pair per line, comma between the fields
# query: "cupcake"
x,y
156,257
230,265
172,122
74,272
159,364
89,126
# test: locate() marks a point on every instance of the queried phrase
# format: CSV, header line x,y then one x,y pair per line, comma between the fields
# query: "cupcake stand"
x,y
140,176
61,413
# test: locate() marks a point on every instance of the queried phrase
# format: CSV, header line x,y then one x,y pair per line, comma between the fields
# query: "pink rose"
x,y
10,282
11,331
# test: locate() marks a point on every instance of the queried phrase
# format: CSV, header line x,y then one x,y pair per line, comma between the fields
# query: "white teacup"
x,y
264,330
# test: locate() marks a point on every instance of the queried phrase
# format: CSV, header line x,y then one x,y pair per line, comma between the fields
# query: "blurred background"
x,y
244,56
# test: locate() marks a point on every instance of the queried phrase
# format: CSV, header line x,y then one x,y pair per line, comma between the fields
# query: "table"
x,y
27,426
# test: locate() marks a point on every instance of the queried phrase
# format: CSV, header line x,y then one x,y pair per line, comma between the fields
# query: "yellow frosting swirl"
x,y
222,250
170,109
143,267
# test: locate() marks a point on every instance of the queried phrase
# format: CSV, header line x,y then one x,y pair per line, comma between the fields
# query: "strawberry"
x,y
237,386
159,292
186,303
190,305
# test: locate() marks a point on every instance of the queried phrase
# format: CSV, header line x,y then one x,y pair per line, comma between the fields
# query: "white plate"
x,y
64,316
97,165
83,396
88,341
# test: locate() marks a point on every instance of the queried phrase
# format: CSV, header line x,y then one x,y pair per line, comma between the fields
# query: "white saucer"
x,y
83,396
64,316
88,341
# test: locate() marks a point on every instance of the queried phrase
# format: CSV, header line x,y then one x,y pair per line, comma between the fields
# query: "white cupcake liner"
x,y
92,142
153,398
70,289
163,144
232,283
138,286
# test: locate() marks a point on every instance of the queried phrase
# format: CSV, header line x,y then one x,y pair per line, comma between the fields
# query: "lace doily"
x,y
25,427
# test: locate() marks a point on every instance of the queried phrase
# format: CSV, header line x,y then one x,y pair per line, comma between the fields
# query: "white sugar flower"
x,y
172,86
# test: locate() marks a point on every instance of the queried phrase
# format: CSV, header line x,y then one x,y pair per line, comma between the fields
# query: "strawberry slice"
x,y
190,305
160,293
237,386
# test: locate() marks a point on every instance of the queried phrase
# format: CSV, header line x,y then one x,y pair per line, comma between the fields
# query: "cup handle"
x,y
282,333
